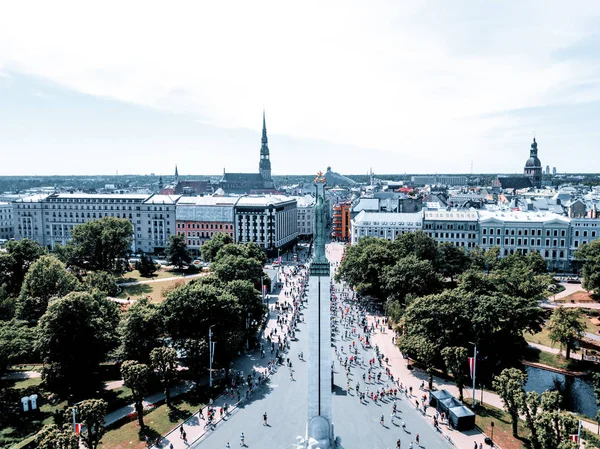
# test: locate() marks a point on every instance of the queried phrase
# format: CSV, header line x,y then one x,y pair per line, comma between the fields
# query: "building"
x,y
447,180
190,187
553,171
582,231
306,216
7,231
458,227
547,169
270,221
341,221
252,182
49,219
533,166
199,218
158,217
386,225
28,218
517,231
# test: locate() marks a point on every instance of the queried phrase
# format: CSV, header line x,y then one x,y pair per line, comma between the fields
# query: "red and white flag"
x,y
574,438
78,427
471,365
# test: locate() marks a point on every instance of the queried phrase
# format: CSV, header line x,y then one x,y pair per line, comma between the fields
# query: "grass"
x,y
543,338
22,384
156,290
503,436
557,361
159,274
159,421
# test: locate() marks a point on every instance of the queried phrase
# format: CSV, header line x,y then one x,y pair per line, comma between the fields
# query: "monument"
x,y
319,428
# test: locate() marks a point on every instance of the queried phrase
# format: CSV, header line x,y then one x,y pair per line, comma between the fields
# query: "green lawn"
x,y
502,427
556,361
159,274
542,337
159,421
155,290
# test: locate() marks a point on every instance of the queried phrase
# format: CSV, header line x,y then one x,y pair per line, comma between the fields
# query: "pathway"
x,y
150,281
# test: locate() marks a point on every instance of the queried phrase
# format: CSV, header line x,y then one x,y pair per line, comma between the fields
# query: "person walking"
x,y
181,431
242,443
227,446
265,419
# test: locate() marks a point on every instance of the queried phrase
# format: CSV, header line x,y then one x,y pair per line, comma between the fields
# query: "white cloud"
x,y
376,74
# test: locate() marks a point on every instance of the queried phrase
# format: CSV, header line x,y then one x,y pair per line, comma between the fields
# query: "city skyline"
x,y
399,88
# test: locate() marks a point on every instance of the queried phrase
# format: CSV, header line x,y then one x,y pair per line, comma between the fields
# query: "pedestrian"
x,y
171,446
227,446
181,431
417,439
184,437
475,445
265,419
242,440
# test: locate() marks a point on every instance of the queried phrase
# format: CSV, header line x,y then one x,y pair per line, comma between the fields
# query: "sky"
x,y
393,86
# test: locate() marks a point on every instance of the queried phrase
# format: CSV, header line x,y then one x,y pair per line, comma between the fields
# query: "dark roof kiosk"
x,y
438,396
462,418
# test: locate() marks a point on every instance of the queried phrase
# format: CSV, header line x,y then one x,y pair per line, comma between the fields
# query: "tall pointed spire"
x,y
264,166
264,130
176,174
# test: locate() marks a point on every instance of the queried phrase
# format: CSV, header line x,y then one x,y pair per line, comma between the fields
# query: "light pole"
x,y
474,369
211,355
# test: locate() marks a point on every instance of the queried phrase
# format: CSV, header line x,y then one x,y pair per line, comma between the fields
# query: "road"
x,y
284,401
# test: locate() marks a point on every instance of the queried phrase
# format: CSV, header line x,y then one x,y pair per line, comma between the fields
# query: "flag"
x,y
78,428
279,260
574,438
471,365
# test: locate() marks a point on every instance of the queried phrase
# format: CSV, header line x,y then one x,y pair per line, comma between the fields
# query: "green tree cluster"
x,y
565,327
177,252
146,265
550,427
589,257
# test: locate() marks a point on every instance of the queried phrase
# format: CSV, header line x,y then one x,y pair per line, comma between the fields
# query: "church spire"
x,y
264,166
176,174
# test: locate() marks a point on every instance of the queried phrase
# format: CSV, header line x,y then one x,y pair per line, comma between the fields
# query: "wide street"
x,y
356,423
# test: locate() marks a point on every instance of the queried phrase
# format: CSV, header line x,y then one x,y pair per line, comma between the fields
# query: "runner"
x,y
265,419
242,443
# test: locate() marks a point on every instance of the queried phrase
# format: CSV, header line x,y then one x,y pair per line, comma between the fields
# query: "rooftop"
x,y
389,218
452,215
263,200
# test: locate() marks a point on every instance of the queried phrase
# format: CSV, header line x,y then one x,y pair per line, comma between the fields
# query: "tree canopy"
x,y
177,252
74,336
589,256
102,244
565,328
136,377
23,252
47,278
140,331
211,248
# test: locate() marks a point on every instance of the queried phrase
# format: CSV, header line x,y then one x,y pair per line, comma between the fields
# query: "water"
x,y
578,392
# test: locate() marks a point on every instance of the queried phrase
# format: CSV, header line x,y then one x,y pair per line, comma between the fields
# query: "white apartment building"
x,y
387,225
6,221
49,219
518,231
458,227
270,221
28,218
158,217
582,230
306,215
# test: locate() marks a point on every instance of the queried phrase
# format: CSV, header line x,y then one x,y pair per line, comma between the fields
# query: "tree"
x,y
53,437
145,265
164,362
456,359
211,248
136,376
16,343
91,414
74,336
47,278
24,252
422,350
140,330
451,260
510,385
250,303
7,276
231,268
177,252
418,244
103,244
565,327
588,255
188,313
102,281
410,276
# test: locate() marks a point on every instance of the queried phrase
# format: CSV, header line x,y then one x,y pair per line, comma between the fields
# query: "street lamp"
x,y
211,355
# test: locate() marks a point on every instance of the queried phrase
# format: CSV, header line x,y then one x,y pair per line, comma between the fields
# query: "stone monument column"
x,y
319,413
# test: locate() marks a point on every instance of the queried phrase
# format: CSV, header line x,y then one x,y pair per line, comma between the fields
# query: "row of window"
x,y
533,232
204,226
521,242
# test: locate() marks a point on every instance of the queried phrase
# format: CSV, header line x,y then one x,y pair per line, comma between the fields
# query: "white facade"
x,y
458,227
49,219
270,221
6,221
582,231
517,231
384,224
306,216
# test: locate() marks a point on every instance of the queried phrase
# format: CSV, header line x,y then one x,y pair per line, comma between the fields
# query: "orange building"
x,y
341,221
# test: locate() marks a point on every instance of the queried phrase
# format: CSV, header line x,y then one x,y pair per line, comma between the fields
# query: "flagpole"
x,y
579,434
